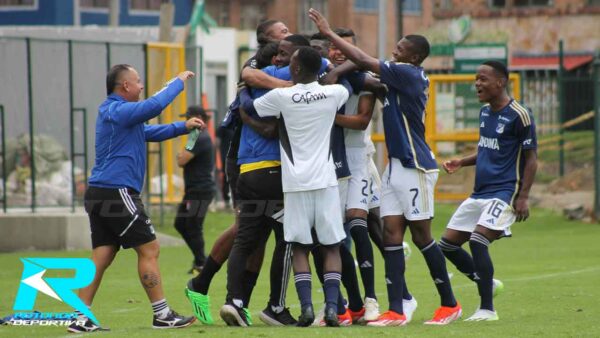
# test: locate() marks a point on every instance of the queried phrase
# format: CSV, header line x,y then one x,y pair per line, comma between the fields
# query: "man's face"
x,y
294,66
321,46
404,52
132,85
488,83
278,31
284,53
335,55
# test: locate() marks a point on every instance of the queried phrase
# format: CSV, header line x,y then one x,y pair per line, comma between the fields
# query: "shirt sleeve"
x,y
161,132
341,94
203,144
394,74
525,131
268,104
357,81
132,113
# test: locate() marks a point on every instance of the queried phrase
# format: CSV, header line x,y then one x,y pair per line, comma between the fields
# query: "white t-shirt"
x,y
308,113
354,138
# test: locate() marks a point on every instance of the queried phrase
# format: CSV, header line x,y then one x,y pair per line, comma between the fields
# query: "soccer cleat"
x,y
319,318
233,315
332,319
173,320
307,316
371,309
200,305
389,318
357,316
498,287
272,318
409,307
445,315
344,319
482,315
248,316
88,326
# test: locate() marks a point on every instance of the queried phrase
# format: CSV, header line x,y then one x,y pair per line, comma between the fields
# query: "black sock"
x,y
459,257
364,254
437,268
394,276
350,280
484,269
331,286
405,294
250,278
201,283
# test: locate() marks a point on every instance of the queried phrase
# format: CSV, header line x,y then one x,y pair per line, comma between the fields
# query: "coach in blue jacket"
x,y
112,200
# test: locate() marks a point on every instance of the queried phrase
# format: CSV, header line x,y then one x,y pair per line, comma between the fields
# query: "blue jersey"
x,y
404,115
121,137
503,136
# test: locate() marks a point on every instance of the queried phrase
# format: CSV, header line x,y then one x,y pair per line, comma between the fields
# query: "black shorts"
x,y
117,217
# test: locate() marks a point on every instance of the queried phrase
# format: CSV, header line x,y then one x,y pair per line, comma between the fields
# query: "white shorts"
x,y
358,185
343,193
318,209
493,214
374,184
407,191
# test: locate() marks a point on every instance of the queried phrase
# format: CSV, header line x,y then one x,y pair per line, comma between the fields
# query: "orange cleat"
x,y
357,316
389,318
445,315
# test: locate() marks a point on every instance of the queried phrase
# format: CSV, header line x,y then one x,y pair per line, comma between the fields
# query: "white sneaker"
x,y
320,317
371,309
483,315
409,307
497,288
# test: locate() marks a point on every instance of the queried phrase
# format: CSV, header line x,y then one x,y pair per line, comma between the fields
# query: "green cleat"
x,y
248,316
200,305
498,287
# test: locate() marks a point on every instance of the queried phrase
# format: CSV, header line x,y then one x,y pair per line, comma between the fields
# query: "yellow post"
x,y
168,118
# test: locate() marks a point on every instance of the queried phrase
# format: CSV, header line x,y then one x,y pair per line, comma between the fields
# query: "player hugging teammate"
x,y
300,165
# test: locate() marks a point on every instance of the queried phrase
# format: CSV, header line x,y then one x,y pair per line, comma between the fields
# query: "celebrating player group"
x,y
300,165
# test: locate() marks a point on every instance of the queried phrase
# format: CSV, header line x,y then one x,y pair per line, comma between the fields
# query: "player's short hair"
x,y
420,45
345,33
261,31
499,67
297,40
113,76
309,59
318,36
265,54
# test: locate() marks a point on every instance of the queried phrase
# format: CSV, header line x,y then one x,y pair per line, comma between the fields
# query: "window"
x,y
412,6
529,3
305,25
17,3
497,3
94,3
145,5
366,6
252,15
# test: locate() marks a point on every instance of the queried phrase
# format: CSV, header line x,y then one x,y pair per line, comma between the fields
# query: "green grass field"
x,y
551,272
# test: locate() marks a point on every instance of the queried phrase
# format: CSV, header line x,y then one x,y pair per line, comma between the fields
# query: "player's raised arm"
x,y
256,78
360,58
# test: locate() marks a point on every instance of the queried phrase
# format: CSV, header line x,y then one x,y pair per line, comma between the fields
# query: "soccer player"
x,y
307,112
112,200
358,113
505,166
410,176
261,200
197,288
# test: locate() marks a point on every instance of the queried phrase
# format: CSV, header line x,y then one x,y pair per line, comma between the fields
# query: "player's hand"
x,y
194,123
521,209
185,75
319,20
451,166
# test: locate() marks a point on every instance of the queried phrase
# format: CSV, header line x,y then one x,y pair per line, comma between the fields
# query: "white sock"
x,y
160,308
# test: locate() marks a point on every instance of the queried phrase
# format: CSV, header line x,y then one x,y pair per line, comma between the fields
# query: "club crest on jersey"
x,y
500,128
